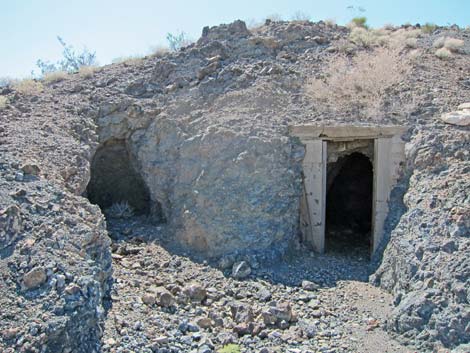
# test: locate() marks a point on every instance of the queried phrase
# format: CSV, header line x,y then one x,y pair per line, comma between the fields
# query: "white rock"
x,y
460,118
464,106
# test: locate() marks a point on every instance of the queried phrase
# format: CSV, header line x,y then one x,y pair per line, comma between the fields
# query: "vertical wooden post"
x,y
382,188
314,166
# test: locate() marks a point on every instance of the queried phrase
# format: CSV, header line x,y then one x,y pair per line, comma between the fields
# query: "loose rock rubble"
x,y
206,128
164,302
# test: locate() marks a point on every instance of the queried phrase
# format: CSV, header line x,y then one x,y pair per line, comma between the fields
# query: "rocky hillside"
x,y
206,129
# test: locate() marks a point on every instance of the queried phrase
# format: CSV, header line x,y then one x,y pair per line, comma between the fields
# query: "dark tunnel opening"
x,y
349,204
114,182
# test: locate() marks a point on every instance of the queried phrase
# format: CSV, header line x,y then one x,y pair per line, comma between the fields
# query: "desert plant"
x,y
358,86
428,27
128,60
177,41
368,38
71,62
453,44
120,210
411,43
3,102
443,53
230,348
360,22
87,71
345,46
55,76
28,86
439,42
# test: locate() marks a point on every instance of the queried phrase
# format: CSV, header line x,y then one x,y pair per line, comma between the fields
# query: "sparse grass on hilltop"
x,y
3,102
28,87
359,85
87,71
55,76
368,38
428,27
128,60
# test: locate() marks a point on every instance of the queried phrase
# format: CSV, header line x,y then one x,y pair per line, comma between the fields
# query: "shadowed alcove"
x,y
349,203
115,180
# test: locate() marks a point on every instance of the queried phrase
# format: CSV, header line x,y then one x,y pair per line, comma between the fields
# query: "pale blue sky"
x,y
28,28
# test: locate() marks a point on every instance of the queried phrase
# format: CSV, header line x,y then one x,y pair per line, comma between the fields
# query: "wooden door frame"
x,y
388,154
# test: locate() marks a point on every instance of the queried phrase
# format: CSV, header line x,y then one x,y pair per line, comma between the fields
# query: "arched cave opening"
x,y
115,181
349,203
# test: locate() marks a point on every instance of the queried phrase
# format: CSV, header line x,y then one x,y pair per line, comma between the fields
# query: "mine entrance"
x,y
349,204
115,181
348,174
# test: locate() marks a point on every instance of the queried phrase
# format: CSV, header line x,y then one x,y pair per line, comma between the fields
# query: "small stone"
x,y
30,168
191,327
195,292
264,295
204,349
110,342
35,278
320,40
10,333
244,328
278,313
226,262
310,286
162,340
149,298
241,270
72,289
204,322
163,296
460,117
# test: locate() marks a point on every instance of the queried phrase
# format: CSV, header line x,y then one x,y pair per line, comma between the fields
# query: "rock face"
x,y
205,131
55,266
426,263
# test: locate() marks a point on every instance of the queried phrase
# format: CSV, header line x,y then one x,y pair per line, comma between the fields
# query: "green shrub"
x,y
443,53
178,40
230,348
360,22
428,27
71,62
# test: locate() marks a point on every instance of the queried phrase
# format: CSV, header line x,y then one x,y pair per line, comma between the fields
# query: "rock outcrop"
x,y
205,128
